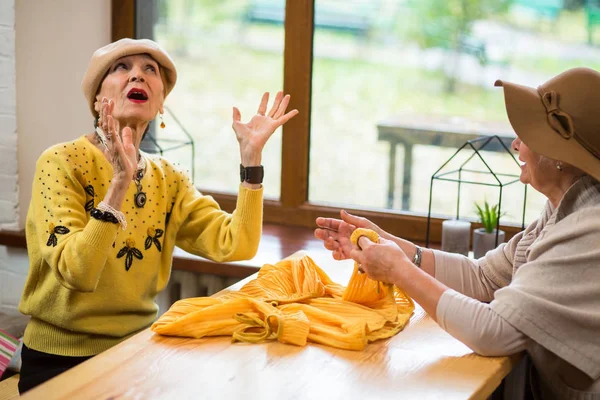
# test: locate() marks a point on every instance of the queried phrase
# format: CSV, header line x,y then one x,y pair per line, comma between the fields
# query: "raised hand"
x,y
118,146
253,136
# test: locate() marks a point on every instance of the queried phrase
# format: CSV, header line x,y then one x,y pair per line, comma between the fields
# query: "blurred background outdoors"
x,y
430,63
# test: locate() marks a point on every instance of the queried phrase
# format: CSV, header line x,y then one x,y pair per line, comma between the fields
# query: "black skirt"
x,y
38,367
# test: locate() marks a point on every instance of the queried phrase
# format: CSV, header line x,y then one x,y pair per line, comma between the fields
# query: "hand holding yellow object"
x,y
336,233
378,257
355,237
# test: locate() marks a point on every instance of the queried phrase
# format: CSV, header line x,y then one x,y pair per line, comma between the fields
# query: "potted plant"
x,y
484,239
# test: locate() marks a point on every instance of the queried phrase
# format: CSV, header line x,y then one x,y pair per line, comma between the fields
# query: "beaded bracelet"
x,y
115,213
103,216
104,212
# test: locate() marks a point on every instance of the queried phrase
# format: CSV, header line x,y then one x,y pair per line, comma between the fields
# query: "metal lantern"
x,y
500,180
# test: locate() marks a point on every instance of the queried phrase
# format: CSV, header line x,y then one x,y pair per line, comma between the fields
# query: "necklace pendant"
x,y
140,199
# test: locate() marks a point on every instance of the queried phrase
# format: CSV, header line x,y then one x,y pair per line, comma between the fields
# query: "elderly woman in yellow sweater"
x,y
104,216
540,292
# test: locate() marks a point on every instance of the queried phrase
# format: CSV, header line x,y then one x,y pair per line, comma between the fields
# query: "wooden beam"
x,y
123,19
297,82
13,239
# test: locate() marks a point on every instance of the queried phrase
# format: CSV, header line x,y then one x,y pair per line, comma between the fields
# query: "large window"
x,y
386,89
224,58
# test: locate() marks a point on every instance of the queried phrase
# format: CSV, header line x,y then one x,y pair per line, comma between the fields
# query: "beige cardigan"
x,y
550,290
546,283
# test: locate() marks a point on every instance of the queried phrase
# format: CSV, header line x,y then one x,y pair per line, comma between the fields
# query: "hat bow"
x,y
558,119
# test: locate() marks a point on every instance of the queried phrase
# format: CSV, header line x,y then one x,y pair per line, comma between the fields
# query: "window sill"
x,y
277,242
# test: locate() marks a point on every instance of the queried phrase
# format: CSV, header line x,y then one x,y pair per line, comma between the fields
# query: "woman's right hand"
x,y
119,150
335,233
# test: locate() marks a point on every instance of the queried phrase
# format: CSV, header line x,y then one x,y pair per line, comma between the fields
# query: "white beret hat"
x,y
105,56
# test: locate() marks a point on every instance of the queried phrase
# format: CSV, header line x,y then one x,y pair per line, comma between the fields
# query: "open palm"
x,y
118,147
253,135
335,235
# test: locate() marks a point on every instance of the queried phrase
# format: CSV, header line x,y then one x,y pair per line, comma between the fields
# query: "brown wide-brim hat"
x,y
560,119
105,56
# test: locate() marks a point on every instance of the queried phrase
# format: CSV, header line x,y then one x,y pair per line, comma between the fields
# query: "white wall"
x,y
51,49
9,194
55,41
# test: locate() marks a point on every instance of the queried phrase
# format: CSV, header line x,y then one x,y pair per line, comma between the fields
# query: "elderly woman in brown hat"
x,y
540,292
105,217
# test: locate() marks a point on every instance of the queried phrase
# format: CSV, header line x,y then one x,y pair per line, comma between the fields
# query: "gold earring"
x,y
162,122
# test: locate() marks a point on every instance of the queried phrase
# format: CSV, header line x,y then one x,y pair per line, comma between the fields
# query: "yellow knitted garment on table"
x,y
295,301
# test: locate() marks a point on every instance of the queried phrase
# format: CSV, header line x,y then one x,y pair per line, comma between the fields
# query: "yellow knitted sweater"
x,y
92,284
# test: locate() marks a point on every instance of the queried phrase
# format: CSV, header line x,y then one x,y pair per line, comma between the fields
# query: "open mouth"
x,y
137,95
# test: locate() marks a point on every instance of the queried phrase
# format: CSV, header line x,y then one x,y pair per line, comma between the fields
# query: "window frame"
x,y
293,208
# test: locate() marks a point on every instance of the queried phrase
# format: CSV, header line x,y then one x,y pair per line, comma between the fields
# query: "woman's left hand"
x,y
381,261
253,135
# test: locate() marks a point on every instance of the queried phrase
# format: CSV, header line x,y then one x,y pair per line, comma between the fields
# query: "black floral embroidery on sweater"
x,y
131,252
55,230
89,204
153,235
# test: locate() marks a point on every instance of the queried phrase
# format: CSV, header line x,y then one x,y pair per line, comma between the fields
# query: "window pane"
x,y
226,55
407,82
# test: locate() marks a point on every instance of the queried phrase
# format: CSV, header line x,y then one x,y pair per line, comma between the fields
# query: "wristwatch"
x,y
418,257
252,174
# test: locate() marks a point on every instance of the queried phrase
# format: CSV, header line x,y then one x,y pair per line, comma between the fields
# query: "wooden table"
x,y
411,130
421,362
